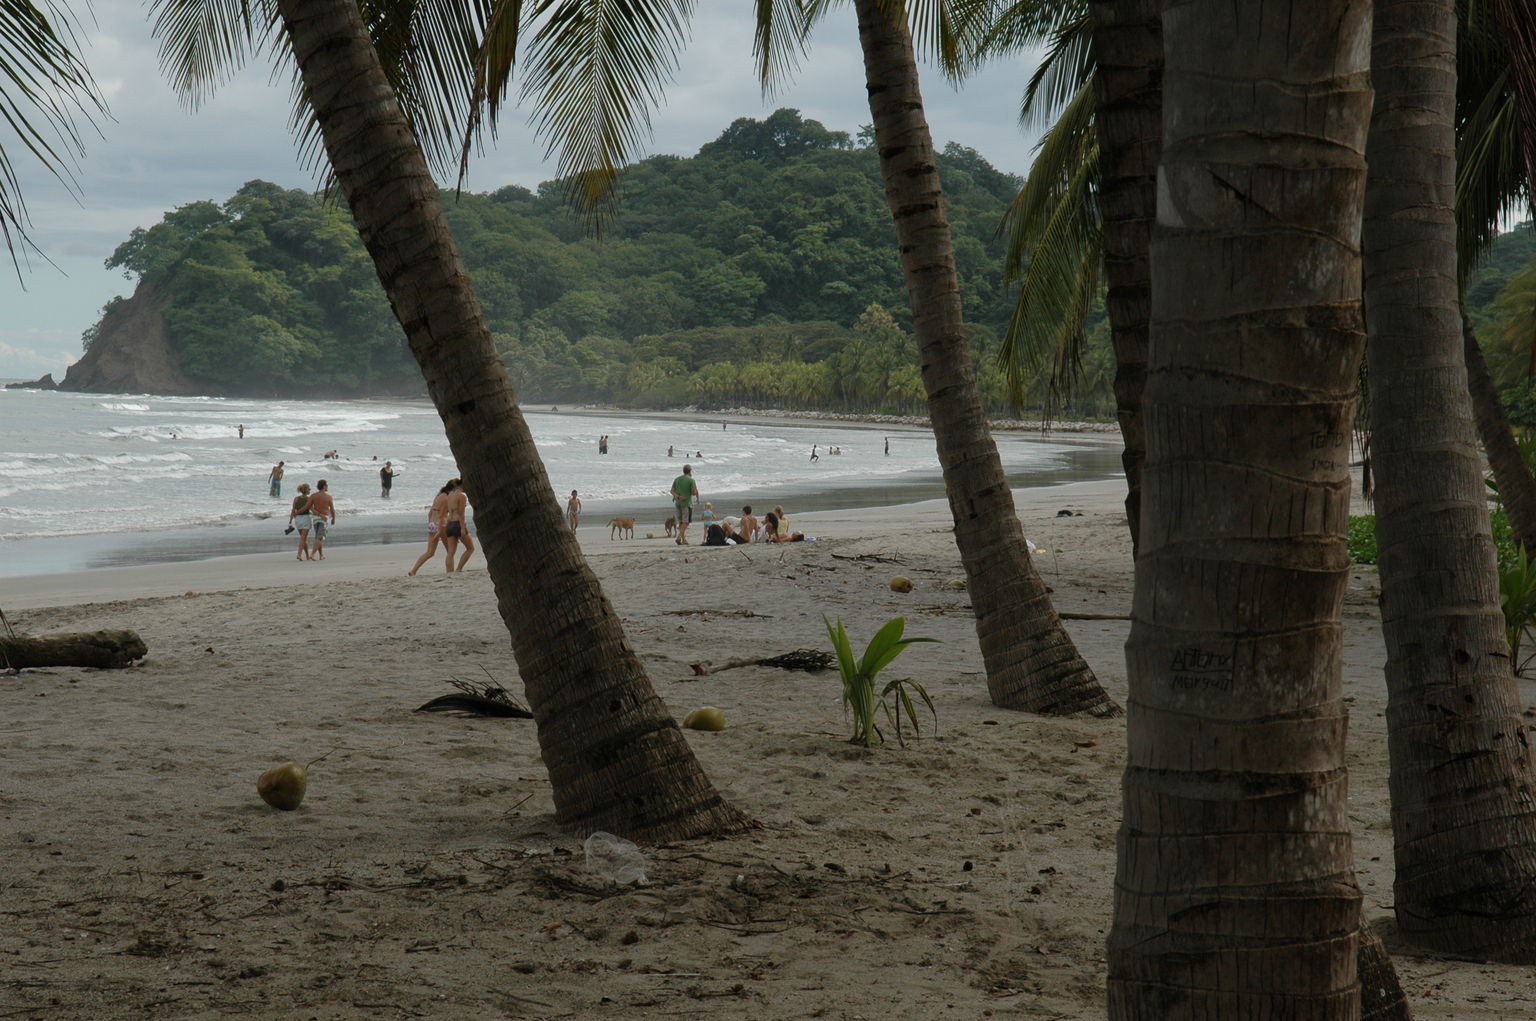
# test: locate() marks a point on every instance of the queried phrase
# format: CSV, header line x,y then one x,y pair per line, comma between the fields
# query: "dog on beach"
x,y
623,528
671,524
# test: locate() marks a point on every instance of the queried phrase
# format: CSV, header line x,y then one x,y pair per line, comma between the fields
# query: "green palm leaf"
x,y
1055,246
47,87
429,50
596,69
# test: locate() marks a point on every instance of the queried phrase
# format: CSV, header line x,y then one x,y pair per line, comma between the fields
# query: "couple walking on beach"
x,y
448,523
310,512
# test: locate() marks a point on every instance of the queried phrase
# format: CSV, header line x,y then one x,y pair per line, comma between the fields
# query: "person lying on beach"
x,y
721,534
775,530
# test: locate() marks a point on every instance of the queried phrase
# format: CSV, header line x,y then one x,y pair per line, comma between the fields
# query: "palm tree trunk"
x,y
1463,791
617,761
1128,79
1517,489
1235,895
1030,659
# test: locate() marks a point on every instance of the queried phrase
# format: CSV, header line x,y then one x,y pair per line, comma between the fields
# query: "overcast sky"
x,y
153,155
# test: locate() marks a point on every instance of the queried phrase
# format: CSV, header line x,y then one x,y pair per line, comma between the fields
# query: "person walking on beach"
x,y
299,517
456,525
275,480
386,479
573,510
321,507
436,514
814,458
684,490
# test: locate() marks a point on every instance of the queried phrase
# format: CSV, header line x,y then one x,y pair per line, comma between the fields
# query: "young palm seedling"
x,y
859,682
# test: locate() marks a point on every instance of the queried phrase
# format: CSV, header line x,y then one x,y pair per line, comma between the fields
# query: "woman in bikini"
x,y
456,524
298,516
436,515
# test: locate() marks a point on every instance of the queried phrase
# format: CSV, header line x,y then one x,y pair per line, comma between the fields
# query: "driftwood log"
x,y
104,649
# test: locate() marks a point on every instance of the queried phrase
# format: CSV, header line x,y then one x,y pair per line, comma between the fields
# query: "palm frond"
x,y
1491,170
1067,64
779,34
1025,24
204,42
1055,250
47,87
596,70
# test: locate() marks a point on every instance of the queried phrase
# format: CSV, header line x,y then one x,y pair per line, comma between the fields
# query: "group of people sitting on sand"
x,y
774,527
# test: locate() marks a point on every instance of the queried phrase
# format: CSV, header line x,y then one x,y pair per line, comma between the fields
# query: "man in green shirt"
x,y
684,491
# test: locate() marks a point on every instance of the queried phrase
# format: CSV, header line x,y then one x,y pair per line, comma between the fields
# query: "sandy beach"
x,y
965,875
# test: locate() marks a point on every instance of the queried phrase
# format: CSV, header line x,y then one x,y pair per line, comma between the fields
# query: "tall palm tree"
x,y
48,92
1495,161
616,758
1031,661
1463,787
1128,82
1235,894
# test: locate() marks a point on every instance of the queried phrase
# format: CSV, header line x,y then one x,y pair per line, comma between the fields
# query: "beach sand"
x,y
964,875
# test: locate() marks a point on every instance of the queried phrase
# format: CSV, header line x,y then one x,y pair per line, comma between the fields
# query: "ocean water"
x,y
91,480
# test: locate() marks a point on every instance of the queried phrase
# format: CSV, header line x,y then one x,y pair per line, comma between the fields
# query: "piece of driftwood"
x,y
108,650
800,659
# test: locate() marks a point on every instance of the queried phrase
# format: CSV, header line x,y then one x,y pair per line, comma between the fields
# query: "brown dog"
x,y
671,524
622,528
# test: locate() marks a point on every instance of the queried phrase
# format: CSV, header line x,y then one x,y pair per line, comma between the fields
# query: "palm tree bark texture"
x,y
617,760
1128,81
1031,661
1517,487
1235,895
1463,792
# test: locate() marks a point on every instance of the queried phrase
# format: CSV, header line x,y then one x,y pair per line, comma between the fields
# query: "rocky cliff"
x,y
131,354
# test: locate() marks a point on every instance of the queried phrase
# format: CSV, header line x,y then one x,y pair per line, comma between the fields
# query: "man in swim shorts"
x,y
321,506
275,480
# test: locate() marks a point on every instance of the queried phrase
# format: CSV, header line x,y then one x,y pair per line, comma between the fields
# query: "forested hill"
x,y
772,247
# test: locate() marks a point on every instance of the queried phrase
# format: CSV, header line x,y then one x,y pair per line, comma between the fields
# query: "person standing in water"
x,y
241,429
386,479
275,480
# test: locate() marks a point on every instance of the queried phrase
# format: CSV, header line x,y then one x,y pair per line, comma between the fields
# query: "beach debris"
x,y
705,718
284,786
809,660
489,699
901,584
956,584
615,859
107,650
872,557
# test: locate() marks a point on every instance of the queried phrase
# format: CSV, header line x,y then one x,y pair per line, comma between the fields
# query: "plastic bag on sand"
x,y
615,859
